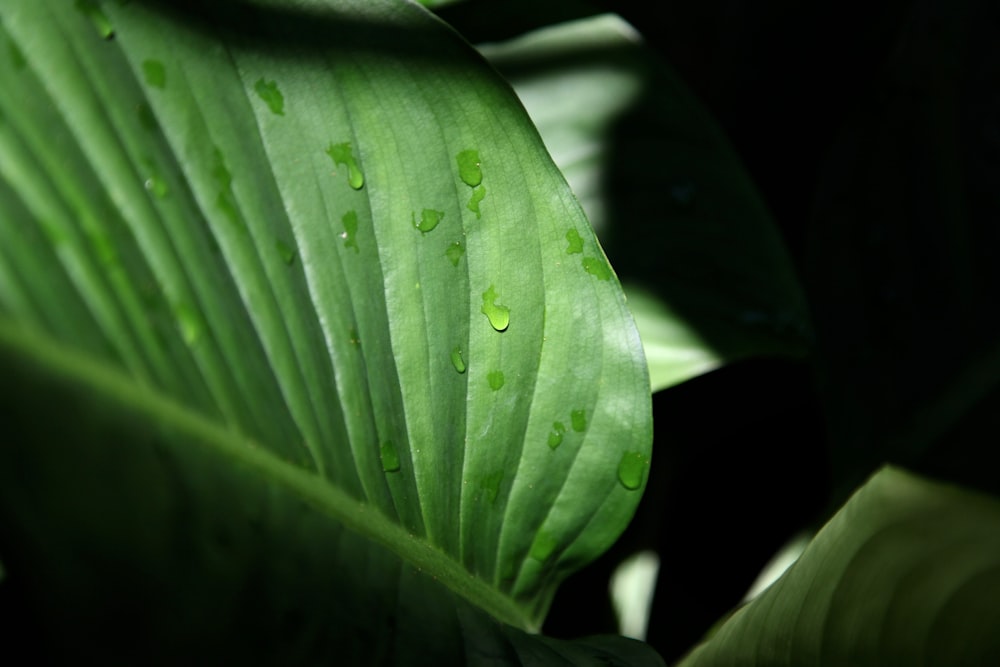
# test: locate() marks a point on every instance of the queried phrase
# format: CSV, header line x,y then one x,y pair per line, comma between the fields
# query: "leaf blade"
x,y
266,280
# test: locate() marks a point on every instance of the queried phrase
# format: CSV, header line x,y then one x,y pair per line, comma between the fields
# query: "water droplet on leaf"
x,y
269,92
496,380
157,186
477,196
286,251
350,221
597,268
188,322
226,202
543,546
429,219
455,252
104,248
155,73
341,154
97,17
491,484
220,172
17,58
146,117
498,315
631,469
575,242
457,361
579,420
390,457
469,168
556,434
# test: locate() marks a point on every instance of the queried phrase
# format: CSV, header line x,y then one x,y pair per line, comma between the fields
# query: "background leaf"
x,y
666,194
905,573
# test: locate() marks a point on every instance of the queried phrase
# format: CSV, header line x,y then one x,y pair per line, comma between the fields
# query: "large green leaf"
x,y
665,192
906,573
321,241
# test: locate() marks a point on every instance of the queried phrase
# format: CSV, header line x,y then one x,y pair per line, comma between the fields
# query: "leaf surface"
x,y
906,573
327,232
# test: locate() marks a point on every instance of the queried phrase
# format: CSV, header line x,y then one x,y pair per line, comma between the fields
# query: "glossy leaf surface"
x,y
327,233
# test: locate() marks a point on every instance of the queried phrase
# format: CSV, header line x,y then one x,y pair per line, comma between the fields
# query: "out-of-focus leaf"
x,y
906,573
666,194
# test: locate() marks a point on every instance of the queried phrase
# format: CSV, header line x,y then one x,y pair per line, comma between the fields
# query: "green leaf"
x,y
666,194
133,523
907,572
239,223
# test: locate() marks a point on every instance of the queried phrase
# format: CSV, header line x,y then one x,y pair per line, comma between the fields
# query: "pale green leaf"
x,y
906,573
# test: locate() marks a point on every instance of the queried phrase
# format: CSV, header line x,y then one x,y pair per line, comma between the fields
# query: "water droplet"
x,y
189,323
469,168
556,434
631,470
104,247
390,457
97,17
268,91
155,73
456,359
353,336
544,546
286,251
341,155
429,219
578,418
477,196
499,316
350,221
455,252
146,117
496,380
226,202
575,242
597,268
17,58
219,170
491,484
157,186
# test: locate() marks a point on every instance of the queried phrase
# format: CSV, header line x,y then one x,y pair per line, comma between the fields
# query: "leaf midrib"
x,y
62,364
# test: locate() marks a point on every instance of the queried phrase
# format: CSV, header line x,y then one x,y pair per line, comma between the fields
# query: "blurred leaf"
x,y
667,195
906,573
285,254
